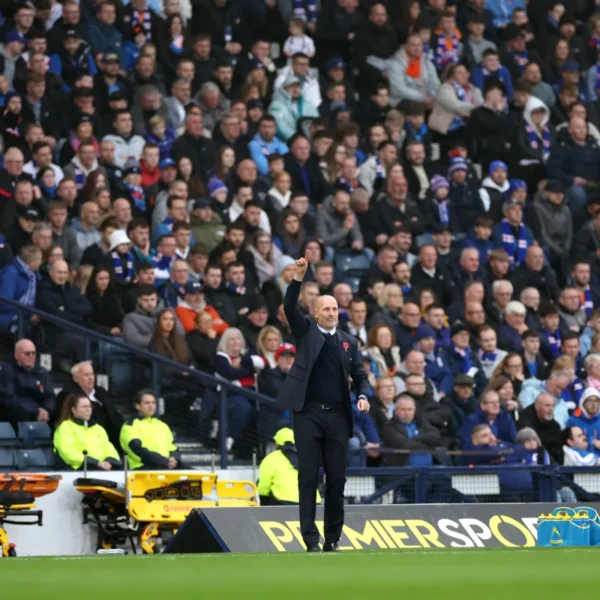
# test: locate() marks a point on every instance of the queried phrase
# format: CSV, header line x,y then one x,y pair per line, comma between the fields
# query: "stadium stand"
x,y
438,163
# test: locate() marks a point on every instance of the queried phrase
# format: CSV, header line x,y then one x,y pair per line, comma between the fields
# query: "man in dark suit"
x,y
317,390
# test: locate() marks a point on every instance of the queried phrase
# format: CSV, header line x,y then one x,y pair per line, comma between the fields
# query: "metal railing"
x,y
158,365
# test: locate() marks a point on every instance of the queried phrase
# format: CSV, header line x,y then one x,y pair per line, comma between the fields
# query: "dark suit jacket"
x,y
309,341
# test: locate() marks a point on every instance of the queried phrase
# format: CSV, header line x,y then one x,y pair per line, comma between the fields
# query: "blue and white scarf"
x,y
444,56
553,340
238,290
162,267
511,246
379,170
406,289
124,274
145,20
349,186
442,206
464,94
588,301
521,58
137,194
465,361
534,140
29,296
79,178
419,134
487,358
307,11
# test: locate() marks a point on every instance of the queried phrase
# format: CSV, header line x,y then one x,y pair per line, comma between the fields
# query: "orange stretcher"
x,y
18,492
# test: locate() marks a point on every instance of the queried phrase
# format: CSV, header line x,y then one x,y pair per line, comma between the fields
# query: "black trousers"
x,y
321,434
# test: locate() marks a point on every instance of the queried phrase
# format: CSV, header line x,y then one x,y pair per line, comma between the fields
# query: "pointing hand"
x,y
301,267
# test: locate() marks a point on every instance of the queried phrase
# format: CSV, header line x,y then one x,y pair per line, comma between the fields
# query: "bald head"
x,y
326,312
578,129
59,272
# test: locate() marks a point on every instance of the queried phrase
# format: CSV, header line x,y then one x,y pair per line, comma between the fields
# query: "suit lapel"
x,y
344,349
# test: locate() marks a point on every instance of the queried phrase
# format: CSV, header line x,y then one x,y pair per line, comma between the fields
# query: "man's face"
x,y
378,15
491,404
415,363
122,210
550,322
107,152
416,154
579,440
581,274
343,295
24,194
570,347
259,317
386,260
341,203
202,49
90,213
461,340
500,267
58,218
236,275
301,149
285,362
59,272
180,272
487,340
531,345
179,210
485,438
402,273
13,163
107,14
140,236
570,299
326,311
123,124
414,46
411,315
544,407
531,299
533,73
213,278
405,410
267,130
464,392
324,276
25,354
252,215
182,238
470,261
85,376
301,66
148,303
358,313
87,154
435,318
145,67
146,406
309,295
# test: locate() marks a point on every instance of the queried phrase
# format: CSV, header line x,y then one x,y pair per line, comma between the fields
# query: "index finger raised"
x,y
306,255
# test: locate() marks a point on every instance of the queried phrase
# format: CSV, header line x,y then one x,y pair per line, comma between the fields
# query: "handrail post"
x,y
20,324
87,351
155,379
223,426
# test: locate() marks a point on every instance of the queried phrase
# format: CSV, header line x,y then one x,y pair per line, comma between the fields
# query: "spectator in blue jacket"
x,y
587,417
491,413
365,436
19,282
265,142
511,234
103,34
461,359
26,391
503,10
490,67
436,366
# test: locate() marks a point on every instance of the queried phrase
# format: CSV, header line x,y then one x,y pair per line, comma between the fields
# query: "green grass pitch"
x,y
386,575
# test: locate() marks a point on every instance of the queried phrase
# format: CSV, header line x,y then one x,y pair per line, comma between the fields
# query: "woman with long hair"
x,y
234,363
11,123
335,157
166,341
512,367
257,75
185,172
266,256
391,302
46,181
269,339
84,130
173,42
96,180
559,55
101,196
225,162
107,308
506,391
383,350
78,437
290,233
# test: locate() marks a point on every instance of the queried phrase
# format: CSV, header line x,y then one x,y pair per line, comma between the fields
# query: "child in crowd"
x,y
161,135
298,41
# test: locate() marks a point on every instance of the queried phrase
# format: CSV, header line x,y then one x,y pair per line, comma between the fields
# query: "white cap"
x,y
117,238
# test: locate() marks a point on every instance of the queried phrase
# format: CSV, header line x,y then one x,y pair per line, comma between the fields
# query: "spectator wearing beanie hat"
x,y
436,365
463,194
493,189
438,208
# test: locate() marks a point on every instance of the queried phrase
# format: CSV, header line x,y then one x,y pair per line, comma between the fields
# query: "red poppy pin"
x,y
346,345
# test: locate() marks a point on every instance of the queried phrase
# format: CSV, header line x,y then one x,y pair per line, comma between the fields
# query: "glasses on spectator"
x,y
391,386
411,314
29,353
515,365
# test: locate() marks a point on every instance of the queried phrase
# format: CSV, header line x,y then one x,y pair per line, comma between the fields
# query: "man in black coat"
x,y
317,390
304,170
534,274
540,417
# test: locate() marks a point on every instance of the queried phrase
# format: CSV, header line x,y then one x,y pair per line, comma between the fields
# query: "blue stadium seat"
x,y
8,437
7,460
34,434
349,260
32,460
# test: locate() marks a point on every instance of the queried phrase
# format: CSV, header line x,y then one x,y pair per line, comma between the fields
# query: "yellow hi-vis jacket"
x,y
148,442
74,436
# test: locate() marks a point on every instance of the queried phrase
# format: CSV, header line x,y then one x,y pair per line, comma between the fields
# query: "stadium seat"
x,y
31,460
235,490
349,260
8,437
35,434
7,460
352,278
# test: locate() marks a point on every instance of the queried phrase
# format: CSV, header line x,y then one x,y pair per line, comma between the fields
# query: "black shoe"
x,y
313,548
331,547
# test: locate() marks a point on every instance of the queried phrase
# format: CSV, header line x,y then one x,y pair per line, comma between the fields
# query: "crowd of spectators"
x,y
436,161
